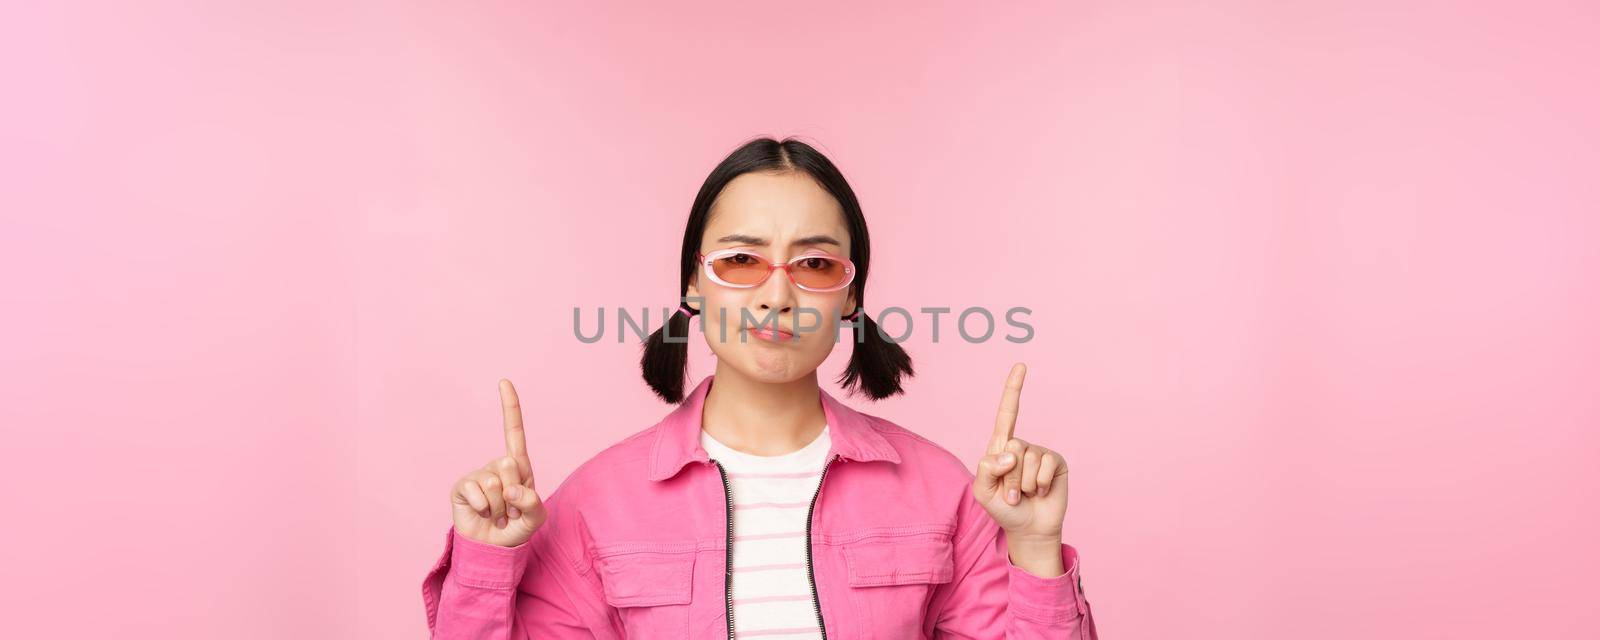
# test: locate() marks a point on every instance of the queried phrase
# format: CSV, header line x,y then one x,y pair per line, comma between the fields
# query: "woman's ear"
x,y
692,294
849,304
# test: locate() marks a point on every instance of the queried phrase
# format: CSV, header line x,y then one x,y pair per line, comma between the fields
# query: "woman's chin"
x,y
773,367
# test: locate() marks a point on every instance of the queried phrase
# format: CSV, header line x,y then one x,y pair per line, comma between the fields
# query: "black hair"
x,y
876,363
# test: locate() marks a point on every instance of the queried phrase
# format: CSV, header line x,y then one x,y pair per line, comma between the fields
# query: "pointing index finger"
x,y
1005,421
516,440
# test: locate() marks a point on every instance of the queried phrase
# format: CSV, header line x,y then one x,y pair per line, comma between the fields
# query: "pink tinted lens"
x,y
741,268
818,272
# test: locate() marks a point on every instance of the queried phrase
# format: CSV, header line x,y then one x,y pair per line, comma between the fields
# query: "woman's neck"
x,y
762,418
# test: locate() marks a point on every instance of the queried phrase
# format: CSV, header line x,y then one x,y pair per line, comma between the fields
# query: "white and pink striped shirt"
x,y
771,498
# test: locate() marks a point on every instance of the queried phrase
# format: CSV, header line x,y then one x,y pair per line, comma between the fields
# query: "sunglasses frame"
x,y
706,259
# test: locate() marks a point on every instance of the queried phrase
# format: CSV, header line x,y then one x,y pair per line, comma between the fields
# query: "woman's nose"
x,y
777,293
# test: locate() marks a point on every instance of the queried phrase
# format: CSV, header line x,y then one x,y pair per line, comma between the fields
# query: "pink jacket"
x,y
636,546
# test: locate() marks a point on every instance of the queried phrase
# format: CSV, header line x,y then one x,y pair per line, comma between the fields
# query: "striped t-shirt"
x,y
771,498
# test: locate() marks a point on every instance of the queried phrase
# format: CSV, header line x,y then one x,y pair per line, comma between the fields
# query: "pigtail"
x,y
665,358
876,363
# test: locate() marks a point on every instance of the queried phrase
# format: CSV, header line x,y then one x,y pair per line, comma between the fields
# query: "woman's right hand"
x,y
496,503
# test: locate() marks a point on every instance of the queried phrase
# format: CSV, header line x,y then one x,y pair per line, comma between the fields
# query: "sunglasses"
x,y
742,269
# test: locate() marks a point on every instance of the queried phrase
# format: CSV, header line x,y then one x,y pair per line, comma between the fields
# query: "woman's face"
x,y
779,216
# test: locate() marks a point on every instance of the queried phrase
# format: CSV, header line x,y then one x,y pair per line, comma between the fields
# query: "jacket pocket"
x,y
651,590
891,581
893,562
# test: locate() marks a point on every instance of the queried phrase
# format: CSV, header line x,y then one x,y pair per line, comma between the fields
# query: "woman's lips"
x,y
779,335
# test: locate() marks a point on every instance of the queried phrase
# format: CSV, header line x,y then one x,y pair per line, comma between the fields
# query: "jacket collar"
x,y
678,436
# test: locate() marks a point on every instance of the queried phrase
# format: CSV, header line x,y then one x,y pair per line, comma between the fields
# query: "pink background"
x,y
1314,287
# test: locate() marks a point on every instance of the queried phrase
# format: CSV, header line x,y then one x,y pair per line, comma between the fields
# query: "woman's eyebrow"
x,y
820,238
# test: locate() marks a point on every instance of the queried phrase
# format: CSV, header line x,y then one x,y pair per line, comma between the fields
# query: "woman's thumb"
x,y
991,474
521,497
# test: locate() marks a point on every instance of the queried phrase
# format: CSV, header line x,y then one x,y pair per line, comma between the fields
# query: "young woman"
x,y
761,507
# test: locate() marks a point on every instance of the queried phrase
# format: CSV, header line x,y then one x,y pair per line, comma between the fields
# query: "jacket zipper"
x,y
816,602
727,575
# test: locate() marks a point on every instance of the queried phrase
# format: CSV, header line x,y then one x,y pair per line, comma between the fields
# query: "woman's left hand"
x,y
1022,485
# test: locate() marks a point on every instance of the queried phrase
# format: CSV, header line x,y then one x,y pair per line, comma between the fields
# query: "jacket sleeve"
x,y
989,593
542,588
